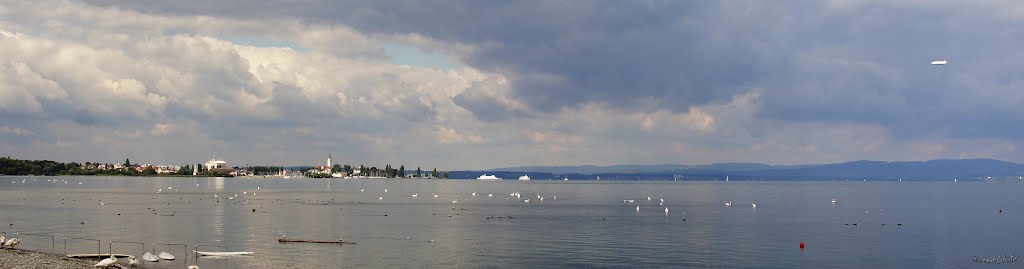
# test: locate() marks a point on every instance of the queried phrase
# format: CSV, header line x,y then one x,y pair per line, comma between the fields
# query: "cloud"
x,y
602,82
450,136
15,131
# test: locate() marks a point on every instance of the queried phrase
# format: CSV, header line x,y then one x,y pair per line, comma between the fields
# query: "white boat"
x,y
565,178
227,253
524,177
166,256
488,177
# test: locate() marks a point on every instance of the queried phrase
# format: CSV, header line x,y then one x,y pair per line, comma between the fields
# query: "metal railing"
x,y
110,245
99,244
53,240
184,259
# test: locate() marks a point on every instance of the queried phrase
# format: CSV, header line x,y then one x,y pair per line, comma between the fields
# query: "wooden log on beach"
x,y
289,240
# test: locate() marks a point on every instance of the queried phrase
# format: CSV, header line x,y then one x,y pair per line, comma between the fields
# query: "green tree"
x,y
401,171
127,163
446,174
337,168
418,172
434,174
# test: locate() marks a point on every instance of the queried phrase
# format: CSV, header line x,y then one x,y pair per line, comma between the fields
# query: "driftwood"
x,y
289,240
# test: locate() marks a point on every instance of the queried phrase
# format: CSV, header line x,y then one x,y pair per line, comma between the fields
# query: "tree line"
x,y
16,167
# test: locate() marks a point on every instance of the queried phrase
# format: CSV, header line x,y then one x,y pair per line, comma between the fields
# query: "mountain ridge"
x,y
860,169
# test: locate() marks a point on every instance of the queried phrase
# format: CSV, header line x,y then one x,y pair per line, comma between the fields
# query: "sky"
x,y
483,84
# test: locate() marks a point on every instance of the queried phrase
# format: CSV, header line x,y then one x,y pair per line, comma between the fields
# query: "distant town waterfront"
x,y
210,168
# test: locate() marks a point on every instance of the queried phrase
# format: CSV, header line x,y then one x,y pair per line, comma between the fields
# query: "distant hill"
x,y
964,169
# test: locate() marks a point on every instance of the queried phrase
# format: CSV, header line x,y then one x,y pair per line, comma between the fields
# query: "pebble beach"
x,y
23,259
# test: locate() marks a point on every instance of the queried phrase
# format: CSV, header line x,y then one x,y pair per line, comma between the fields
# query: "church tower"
x,y
328,161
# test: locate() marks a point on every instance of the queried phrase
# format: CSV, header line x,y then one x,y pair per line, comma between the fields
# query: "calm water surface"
x,y
578,224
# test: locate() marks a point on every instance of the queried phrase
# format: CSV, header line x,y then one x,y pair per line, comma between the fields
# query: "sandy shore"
x,y
23,259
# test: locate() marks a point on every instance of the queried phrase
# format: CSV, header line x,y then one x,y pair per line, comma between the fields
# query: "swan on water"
x,y
728,203
435,195
414,195
380,198
165,256
150,257
753,205
666,210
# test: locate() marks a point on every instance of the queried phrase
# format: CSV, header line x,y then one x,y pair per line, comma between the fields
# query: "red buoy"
x,y
801,245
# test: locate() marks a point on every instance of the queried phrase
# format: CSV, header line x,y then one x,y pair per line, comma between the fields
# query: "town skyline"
x,y
469,85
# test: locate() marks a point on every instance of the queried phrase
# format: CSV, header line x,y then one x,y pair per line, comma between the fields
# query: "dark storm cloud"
x,y
813,61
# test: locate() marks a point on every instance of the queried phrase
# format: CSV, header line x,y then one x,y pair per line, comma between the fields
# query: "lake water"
x,y
578,224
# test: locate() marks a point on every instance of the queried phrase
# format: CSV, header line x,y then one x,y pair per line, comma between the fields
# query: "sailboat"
x,y
726,178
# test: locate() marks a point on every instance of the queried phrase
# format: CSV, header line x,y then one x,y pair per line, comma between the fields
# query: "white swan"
x,y
193,267
728,203
150,257
11,242
130,262
753,205
666,210
106,262
380,198
414,195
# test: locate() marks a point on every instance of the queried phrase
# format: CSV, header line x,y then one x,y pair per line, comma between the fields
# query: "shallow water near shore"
x,y
578,223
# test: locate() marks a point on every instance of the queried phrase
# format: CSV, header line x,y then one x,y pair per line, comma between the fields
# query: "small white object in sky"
x,y
940,62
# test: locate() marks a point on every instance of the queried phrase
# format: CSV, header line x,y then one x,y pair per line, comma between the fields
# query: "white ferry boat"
x,y
488,177
524,177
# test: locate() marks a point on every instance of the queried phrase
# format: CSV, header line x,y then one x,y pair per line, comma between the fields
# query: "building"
x,y
213,164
